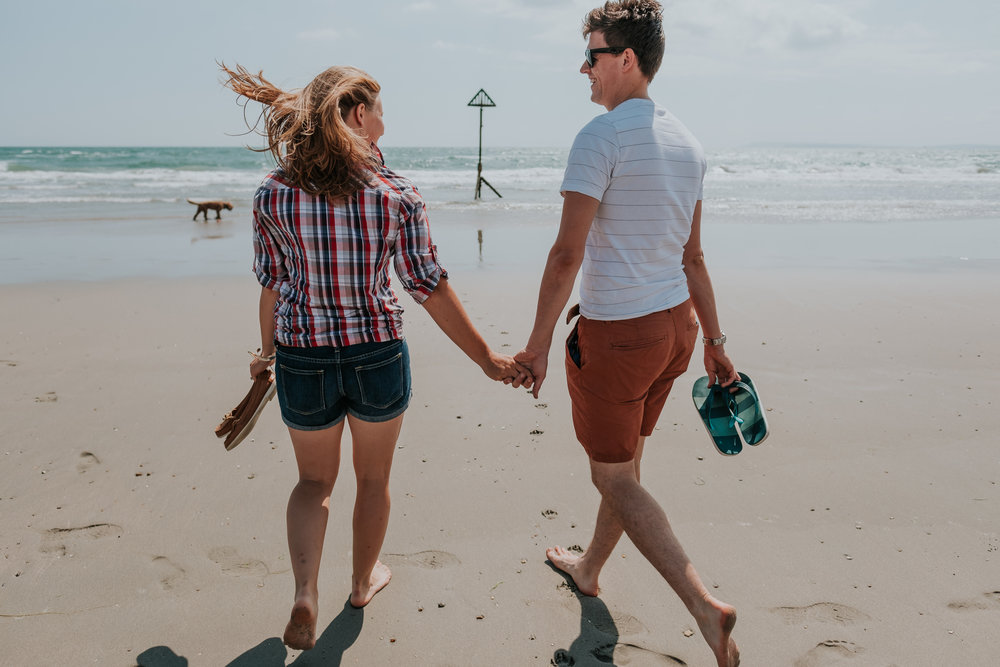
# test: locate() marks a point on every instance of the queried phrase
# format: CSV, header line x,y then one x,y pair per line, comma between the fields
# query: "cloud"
x,y
421,7
769,26
553,12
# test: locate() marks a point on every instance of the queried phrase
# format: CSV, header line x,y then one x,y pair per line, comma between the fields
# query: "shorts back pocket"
x,y
303,389
382,383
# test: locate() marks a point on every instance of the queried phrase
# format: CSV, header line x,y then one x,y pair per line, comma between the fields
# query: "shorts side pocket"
x,y
573,346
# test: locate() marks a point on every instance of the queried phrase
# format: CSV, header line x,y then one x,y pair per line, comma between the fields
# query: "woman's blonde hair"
x,y
306,131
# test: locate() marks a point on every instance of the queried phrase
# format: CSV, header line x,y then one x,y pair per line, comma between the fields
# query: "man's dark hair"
x,y
636,24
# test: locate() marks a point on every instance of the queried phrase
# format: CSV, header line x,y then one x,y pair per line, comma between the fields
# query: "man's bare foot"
x,y
364,592
573,565
716,627
300,633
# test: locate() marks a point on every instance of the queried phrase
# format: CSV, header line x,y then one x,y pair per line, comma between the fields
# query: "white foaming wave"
x,y
885,210
529,178
82,199
846,175
552,208
161,177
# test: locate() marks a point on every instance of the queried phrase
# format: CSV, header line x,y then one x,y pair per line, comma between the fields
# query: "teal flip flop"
x,y
718,411
749,411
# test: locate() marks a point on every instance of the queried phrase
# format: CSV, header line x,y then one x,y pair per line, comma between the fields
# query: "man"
x,y
632,219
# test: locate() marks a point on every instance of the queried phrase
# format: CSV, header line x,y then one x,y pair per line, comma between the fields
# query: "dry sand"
x,y
864,531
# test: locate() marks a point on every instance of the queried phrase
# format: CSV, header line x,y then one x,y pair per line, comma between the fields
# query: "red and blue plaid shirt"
x,y
329,261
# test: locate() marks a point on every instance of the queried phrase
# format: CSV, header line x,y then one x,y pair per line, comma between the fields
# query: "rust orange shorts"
x,y
620,373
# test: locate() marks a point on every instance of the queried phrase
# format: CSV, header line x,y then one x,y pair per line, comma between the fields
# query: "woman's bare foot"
x,y
364,592
575,567
300,633
716,625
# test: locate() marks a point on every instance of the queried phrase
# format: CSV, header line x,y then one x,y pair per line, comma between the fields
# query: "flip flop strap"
x,y
727,400
731,406
756,403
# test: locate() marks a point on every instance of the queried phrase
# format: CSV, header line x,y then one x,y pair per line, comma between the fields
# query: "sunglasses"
x,y
590,53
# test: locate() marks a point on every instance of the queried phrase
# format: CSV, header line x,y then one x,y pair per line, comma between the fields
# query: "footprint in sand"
x,y
61,541
47,397
989,600
615,654
618,625
630,654
562,658
831,653
238,566
87,461
822,612
430,560
170,573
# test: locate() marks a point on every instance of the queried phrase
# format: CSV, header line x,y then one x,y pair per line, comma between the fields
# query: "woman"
x,y
328,221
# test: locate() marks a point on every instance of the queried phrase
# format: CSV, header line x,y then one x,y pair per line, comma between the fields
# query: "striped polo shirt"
x,y
647,171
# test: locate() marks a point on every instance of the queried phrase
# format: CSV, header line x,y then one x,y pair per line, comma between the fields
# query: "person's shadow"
x,y
595,645
599,638
338,636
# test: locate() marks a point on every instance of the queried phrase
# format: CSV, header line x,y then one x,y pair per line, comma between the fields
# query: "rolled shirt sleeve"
x,y
269,260
416,260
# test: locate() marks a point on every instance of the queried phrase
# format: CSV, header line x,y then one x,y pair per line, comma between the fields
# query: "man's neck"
x,y
638,91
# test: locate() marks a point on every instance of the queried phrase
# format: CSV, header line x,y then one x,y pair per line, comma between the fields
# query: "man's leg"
x,y
646,524
586,568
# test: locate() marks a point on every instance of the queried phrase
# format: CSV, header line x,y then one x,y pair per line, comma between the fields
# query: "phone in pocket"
x,y
573,346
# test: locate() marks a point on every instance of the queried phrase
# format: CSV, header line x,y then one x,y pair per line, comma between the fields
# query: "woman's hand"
x,y
504,369
260,364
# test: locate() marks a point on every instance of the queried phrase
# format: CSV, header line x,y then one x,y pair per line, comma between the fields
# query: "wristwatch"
x,y
715,341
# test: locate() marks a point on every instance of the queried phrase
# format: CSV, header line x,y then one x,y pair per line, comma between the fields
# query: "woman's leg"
x,y
374,445
317,454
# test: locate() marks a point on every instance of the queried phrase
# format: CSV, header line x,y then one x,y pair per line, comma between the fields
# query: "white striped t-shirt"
x,y
647,170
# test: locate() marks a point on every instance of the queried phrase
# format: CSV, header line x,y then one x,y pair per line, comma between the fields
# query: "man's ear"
x,y
630,60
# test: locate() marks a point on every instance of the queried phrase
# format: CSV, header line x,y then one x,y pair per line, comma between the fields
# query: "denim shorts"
x,y
319,386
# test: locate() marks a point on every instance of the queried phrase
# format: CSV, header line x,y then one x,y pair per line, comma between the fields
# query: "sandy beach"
x,y
864,531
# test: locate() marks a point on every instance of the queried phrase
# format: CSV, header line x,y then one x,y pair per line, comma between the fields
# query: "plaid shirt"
x,y
330,261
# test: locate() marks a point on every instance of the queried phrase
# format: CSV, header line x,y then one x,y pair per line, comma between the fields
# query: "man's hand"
x,y
719,366
504,369
537,363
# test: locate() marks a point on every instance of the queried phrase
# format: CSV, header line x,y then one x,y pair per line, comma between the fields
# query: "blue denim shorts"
x,y
319,386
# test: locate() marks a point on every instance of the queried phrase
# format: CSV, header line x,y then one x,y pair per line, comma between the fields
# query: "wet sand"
x,y
863,531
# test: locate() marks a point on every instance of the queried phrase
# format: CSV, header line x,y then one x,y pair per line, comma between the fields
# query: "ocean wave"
x,y
832,211
145,179
82,199
15,168
528,178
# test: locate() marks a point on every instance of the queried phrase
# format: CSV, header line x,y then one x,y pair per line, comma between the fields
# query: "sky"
x,y
737,73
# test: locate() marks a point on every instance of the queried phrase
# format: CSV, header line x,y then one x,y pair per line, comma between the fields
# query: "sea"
x,y
91,213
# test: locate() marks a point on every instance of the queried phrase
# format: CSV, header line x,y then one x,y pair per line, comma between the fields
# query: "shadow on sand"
x,y
598,641
339,636
595,645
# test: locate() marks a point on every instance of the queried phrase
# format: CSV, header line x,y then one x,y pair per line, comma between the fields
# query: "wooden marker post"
x,y
482,100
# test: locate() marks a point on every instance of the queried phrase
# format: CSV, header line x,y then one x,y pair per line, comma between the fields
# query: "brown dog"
x,y
206,206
